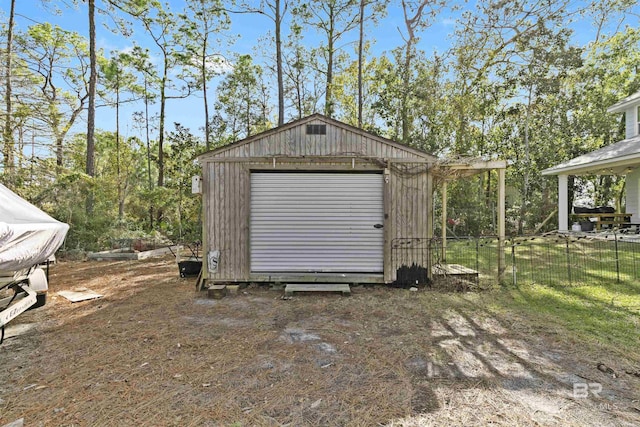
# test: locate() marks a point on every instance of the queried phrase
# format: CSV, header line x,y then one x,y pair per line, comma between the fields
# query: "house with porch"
x,y
621,158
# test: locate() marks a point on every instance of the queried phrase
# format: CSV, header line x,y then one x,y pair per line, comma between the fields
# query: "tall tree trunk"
x,y
328,103
525,189
119,179
278,22
8,132
59,148
406,83
148,140
299,94
163,101
91,113
328,95
20,150
248,115
360,58
411,24
203,73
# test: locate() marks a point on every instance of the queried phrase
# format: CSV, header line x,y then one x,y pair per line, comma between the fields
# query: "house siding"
x,y
631,121
633,195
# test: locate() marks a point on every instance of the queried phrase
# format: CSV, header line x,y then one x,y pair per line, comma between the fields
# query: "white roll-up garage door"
x,y
316,222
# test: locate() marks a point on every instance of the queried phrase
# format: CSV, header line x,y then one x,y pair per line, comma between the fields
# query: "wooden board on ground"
x,y
78,295
124,254
455,270
317,287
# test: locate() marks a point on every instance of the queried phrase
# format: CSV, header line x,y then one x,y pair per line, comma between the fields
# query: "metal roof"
x,y
613,159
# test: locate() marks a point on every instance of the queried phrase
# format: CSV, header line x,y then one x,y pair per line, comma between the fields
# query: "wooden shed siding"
x,y
410,207
227,211
338,141
227,192
226,218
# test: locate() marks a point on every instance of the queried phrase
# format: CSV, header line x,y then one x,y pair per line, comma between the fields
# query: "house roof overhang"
x,y
623,104
615,159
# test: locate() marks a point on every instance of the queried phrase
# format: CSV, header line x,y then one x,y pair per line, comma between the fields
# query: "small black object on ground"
x,y
191,266
411,276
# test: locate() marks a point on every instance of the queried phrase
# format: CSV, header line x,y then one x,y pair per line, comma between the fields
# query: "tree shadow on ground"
x,y
166,356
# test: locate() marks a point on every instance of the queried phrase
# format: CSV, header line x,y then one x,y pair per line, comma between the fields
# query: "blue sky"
x,y
250,29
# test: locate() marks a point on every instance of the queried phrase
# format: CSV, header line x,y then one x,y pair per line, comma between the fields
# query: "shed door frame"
x,y
375,256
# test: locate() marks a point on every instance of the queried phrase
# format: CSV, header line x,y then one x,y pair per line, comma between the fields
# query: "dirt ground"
x,y
154,352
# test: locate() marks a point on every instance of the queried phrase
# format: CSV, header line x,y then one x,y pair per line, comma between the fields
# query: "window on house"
x,y
316,129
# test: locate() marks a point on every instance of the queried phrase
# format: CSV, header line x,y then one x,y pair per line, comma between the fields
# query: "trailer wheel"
x,y
38,282
41,300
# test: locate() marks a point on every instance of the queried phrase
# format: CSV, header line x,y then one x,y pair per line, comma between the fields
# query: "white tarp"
x,y
28,236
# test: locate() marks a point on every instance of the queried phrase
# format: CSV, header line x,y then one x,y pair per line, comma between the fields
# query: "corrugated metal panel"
x,y
316,222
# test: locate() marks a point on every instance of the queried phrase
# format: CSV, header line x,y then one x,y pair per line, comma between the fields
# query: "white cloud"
x,y
219,64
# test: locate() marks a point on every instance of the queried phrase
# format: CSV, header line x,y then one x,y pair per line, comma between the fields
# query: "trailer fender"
x,y
38,281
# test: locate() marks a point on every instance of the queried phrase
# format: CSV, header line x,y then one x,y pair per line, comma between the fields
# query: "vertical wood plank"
x,y
206,232
234,218
389,273
245,216
222,192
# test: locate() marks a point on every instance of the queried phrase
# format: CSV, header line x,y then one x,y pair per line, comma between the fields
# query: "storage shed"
x,y
315,200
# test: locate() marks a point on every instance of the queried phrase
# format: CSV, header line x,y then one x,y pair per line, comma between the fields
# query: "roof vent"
x,y
316,129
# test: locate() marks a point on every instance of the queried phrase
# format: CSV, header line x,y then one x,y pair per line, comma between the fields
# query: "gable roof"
x,y
625,103
219,152
612,159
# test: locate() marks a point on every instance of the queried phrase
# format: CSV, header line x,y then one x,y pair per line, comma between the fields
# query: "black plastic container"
x,y
189,268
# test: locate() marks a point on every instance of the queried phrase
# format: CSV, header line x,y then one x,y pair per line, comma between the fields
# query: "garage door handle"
x,y
378,226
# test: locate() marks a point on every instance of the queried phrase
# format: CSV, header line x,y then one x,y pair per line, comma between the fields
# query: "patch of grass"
x,y
551,260
588,290
606,316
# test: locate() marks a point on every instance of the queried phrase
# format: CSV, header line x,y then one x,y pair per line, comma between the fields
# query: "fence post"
x,y
566,239
444,222
478,254
501,223
514,268
615,238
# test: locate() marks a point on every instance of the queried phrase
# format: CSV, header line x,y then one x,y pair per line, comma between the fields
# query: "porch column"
x,y
563,203
632,189
444,221
501,223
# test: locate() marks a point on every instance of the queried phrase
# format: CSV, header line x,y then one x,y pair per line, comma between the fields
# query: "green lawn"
x,y
586,289
607,316
551,260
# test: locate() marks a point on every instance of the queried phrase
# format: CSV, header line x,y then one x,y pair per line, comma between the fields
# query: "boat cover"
x,y
28,236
